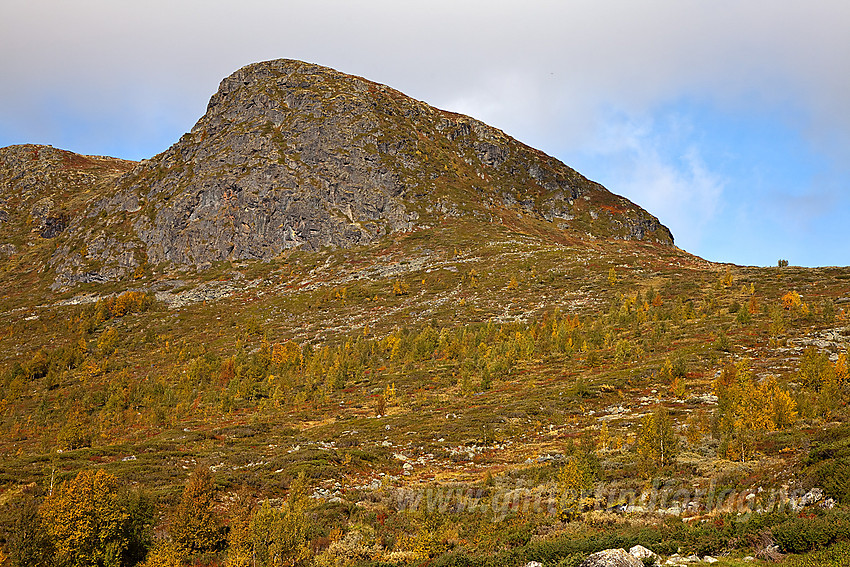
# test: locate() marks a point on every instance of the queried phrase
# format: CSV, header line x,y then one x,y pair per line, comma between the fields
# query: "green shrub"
x,y
835,556
722,343
828,463
834,477
455,559
800,535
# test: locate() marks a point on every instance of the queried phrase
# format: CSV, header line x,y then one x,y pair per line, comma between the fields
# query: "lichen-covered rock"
x,y
611,558
642,553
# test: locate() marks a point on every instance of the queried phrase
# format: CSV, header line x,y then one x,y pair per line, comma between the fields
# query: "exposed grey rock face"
x,y
285,157
294,155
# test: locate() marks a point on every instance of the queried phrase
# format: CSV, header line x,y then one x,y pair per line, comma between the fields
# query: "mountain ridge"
x,y
294,155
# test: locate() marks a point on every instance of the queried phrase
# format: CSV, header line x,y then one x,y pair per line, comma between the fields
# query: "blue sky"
x,y
729,120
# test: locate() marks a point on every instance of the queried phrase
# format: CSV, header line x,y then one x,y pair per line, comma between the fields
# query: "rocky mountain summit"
x,y
291,155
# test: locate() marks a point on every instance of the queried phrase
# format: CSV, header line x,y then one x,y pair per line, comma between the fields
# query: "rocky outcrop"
x,y
44,194
293,155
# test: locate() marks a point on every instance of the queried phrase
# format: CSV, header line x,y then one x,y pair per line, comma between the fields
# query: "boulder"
x,y
612,558
641,552
811,497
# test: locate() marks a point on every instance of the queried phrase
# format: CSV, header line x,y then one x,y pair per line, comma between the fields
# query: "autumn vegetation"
x,y
142,434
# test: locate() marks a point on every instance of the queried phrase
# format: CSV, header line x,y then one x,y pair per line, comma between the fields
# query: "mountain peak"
x,y
291,155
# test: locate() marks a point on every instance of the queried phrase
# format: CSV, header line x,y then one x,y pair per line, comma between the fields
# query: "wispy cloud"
x,y
658,166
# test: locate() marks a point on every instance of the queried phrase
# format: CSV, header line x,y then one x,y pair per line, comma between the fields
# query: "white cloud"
x,y
645,163
534,66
